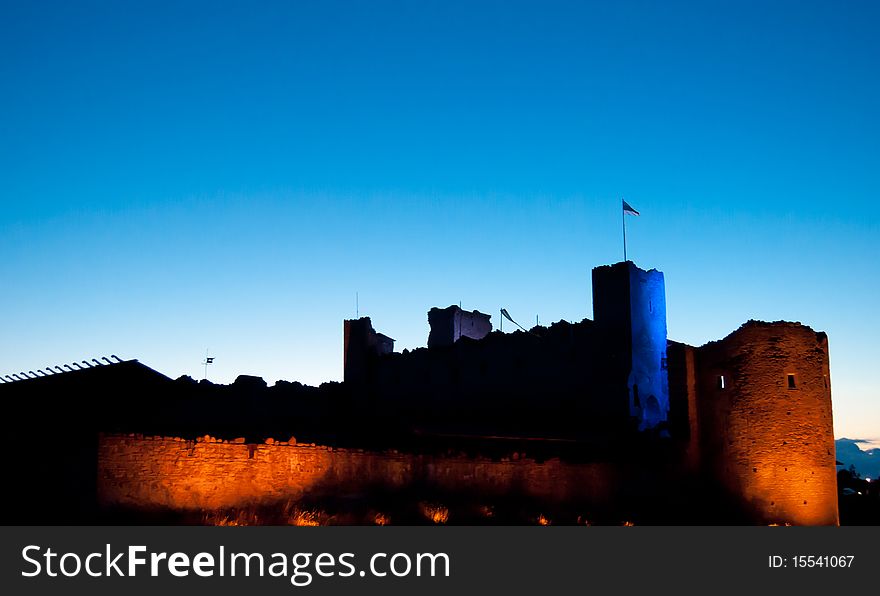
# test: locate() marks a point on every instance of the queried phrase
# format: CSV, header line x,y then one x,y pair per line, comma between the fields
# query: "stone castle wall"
x,y
751,413
176,474
768,438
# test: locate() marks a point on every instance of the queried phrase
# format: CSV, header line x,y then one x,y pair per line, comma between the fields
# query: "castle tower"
x,y
765,421
362,344
629,308
450,324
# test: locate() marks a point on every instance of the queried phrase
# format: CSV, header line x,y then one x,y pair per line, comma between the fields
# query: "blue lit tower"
x,y
629,308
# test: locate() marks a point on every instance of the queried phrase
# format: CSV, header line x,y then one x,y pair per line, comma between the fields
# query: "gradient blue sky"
x,y
176,176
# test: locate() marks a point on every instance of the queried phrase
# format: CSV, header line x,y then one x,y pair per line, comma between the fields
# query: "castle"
x,y
606,416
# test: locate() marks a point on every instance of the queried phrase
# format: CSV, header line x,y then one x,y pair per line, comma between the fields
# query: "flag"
x,y
627,208
209,360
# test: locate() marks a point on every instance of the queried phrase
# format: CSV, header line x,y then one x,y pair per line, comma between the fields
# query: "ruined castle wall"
x,y
167,473
768,442
549,382
450,324
684,422
361,345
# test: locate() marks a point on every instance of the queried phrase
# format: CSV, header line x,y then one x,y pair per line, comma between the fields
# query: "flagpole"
x,y
623,219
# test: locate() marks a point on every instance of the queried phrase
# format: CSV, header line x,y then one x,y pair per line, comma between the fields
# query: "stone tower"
x,y
361,346
450,324
765,418
629,308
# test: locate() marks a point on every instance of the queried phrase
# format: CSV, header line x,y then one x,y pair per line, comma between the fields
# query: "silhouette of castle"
x,y
607,415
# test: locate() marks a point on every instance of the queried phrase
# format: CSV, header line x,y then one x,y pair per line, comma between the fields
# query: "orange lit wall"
x,y
770,444
162,472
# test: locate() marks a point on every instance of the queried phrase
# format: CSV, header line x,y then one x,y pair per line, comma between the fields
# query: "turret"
x,y
362,345
629,308
765,421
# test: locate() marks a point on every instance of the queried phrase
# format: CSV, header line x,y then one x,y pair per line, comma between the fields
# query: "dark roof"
x,y
120,370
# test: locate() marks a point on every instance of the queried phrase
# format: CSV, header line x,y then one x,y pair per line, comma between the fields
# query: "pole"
x,y
623,219
206,364
357,306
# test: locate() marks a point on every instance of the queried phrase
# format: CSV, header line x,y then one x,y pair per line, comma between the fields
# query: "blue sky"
x,y
183,176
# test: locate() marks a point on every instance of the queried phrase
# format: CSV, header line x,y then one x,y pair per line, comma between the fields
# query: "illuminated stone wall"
x,y
736,420
156,472
769,443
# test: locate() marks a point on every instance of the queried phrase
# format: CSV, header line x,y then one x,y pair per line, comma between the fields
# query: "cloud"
x,y
870,443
